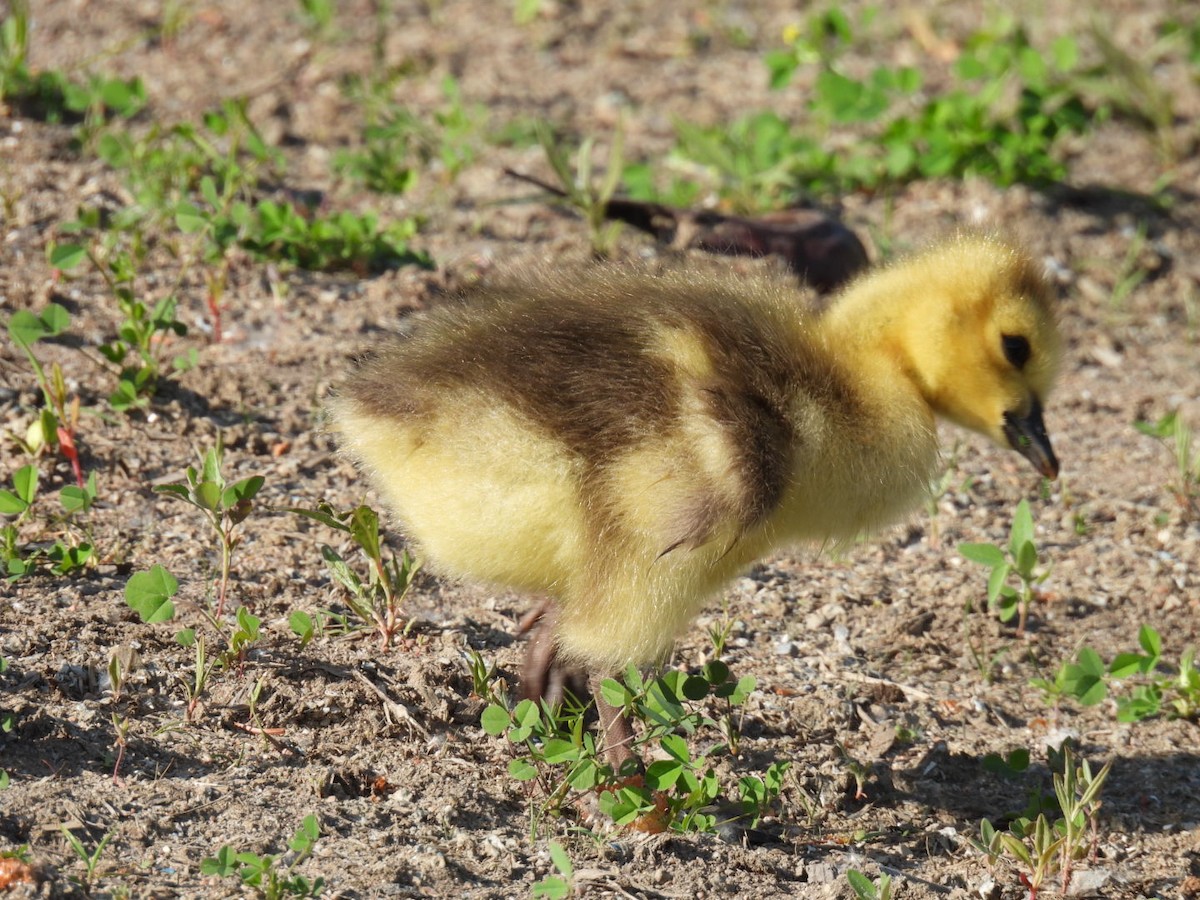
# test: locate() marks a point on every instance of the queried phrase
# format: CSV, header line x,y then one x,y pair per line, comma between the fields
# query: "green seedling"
x,y
255,724
264,874
121,726
1173,432
58,416
1081,680
676,790
384,163
581,190
64,558
756,159
759,795
821,40
1010,766
641,181
1149,693
303,626
14,49
950,479
398,143
376,600
986,659
1041,848
1021,560
195,686
317,16
866,889
90,860
281,232
483,680
204,179
1129,272
122,662
52,96
562,885
761,162
149,594
225,506
244,634
19,501
143,335
218,163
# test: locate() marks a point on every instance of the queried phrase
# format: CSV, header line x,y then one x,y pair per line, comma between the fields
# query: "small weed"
x,y
317,15
483,680
303,626
977,128
224,505
378,599
580,190
720,630
58,417
52,96
264,873
397,143
560,886
940,487
90,860
121,726
677,789
137,351
14,48
1039,849
1010,766
195,686
64,557
986,659
280,231
1173,432
1145,692
866,889
1129,273
1021,559
757,159
149,594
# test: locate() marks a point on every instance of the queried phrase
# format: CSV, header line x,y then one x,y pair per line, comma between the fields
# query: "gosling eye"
x,y
1016,349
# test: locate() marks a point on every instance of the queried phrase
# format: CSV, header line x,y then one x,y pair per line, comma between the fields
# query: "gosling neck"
x,y
875,326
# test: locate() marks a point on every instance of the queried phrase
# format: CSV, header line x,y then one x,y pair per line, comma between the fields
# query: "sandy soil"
x,y
864,656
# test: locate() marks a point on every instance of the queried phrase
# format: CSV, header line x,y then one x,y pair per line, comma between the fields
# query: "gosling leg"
x,y
618,732
543,676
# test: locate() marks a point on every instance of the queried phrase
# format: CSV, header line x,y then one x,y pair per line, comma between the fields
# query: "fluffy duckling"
x,y
624,444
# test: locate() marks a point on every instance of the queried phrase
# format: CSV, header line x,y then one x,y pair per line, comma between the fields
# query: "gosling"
x,y
624,444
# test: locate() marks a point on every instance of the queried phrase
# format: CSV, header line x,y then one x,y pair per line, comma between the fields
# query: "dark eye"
x,y
1016,349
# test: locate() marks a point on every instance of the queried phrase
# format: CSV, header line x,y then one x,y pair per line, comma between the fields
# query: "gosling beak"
x,y
1027,435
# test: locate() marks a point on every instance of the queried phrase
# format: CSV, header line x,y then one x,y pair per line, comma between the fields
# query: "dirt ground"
x,y
866,655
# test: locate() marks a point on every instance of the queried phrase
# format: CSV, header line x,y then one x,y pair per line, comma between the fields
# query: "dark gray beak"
x,y
1027,435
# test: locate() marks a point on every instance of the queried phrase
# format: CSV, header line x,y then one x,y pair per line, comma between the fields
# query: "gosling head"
x,y
970,324
988,353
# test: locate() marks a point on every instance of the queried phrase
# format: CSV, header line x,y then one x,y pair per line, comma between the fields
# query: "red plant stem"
x,y
214,313
66,443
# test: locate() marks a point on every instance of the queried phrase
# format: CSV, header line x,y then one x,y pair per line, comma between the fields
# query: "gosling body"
x,y
625,444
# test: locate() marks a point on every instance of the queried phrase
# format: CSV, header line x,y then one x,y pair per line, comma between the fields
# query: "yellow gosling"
x,y
624,444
